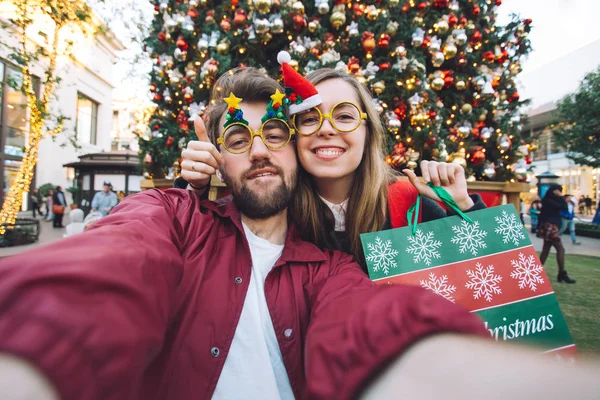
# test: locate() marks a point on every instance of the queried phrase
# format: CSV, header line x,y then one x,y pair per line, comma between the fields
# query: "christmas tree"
x,y
441,71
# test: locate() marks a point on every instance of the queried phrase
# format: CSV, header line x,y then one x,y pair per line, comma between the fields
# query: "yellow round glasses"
x,y
344,117
237,138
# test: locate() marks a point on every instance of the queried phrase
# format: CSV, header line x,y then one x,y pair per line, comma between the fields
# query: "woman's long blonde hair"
x,y
367,209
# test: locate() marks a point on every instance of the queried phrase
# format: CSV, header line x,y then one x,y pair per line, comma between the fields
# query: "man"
x,y
59,204
36,201
172,297
105,200
568,219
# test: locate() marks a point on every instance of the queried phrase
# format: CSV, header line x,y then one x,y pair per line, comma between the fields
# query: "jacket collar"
x,y
295,249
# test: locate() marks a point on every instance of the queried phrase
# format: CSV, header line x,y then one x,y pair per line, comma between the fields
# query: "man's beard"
x,y
255,206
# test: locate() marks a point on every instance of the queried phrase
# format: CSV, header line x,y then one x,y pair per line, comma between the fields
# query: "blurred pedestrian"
x,y
581,204
596,219
568,219
36,201
49,204
59,204
522,211
105,200
534,214
549,224
588,205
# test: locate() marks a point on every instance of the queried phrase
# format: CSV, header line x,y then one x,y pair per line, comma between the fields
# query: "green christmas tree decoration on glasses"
x,y
442,72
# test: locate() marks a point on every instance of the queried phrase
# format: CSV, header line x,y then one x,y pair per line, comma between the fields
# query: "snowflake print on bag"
x,y
382,255
527,271
439,286
469,237
510,228
423,247
483,282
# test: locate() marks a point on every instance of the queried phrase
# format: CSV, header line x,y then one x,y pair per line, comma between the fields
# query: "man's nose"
x,y
258,150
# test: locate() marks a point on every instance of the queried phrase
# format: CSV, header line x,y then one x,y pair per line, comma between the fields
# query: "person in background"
x,y
58,199
596,220
568,219
36,201
548,226
534,214
588,205
522,211
105,200
76,225
49,204
581,204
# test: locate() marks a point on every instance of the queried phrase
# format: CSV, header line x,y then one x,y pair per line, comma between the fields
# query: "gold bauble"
x,y
417,21
483,116
533,146
450,50
437,83
313,26
461,85
262,6
458,159
294,64
442,26
470,28
373,13
298,7
514,69
466,108
337,19
391,28
223,48
393,3
378,87
323,8
412,164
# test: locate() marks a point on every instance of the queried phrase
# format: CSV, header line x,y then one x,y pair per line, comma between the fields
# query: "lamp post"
x,y
544,180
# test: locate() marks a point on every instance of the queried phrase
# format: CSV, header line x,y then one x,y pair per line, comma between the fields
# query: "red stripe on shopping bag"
x,y
484,282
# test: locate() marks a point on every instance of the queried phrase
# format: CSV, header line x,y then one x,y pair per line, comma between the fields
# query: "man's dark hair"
x,y
251,84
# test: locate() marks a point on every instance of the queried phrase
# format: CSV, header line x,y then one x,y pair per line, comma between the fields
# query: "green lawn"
x,y
580,303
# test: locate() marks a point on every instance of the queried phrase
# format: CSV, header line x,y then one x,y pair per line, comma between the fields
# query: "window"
x,y
87,119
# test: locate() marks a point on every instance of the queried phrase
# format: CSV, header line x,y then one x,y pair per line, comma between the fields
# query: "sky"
x,y
559,28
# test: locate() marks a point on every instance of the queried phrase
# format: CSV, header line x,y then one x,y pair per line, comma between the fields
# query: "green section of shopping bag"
x,y
443,241
537,321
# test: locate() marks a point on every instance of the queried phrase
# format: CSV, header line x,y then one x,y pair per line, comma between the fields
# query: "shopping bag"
x,y
58,209
482,260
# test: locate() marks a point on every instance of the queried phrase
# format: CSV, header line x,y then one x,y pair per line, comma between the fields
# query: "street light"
x,y
544,180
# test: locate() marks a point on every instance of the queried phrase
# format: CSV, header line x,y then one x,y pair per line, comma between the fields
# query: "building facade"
x,y
546,86
83,95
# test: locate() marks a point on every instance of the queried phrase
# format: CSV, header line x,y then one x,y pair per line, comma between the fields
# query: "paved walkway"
x,y
588,247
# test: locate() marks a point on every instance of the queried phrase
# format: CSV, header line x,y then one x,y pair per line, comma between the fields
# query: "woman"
x,y
534,214
549,223
345,177
59,204
49,204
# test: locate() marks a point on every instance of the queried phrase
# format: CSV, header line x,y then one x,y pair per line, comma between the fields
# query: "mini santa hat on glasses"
x,y
301,93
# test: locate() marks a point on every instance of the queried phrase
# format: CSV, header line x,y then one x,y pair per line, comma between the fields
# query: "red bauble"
x,y
426,42
192,12
463,21
182,121
161,36
400,111
153,87
461,60
353,64
234,2
240,17
515,97
476,38
452,19
476,10
498,2
489,56
299,22
399,149
432,114
441,3
384,66
357,10
384,40
169,142
527,21
225,24
477,155
431,141
157,97
423,5
182,44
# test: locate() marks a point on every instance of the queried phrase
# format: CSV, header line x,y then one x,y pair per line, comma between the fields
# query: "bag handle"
x,y
412,215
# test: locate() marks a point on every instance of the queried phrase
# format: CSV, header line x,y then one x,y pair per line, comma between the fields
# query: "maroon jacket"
x,y
145,304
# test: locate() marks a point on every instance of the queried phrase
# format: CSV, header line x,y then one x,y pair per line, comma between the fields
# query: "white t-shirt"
x,y
254,367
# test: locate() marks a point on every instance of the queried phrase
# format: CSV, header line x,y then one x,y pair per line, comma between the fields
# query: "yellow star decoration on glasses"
x,y
232,101
278,97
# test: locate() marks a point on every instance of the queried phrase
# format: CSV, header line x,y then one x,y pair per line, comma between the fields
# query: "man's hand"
x,y
449,176
200,159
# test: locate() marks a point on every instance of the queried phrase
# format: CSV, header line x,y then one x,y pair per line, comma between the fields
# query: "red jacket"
x,y
145,304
